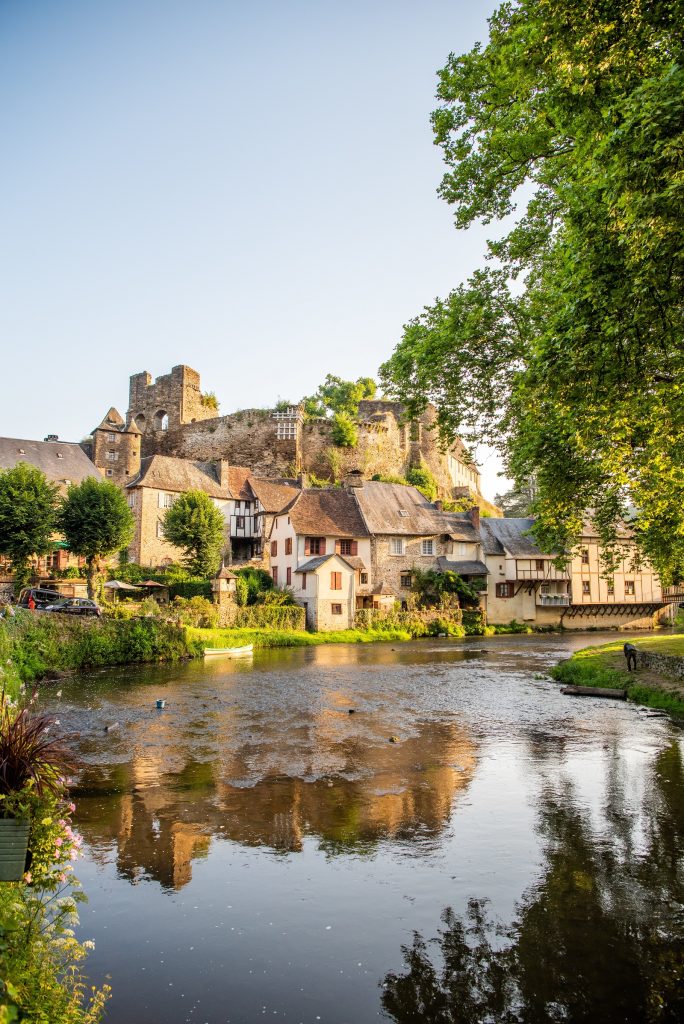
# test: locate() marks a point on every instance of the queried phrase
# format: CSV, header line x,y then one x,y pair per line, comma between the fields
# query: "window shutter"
x,y
322,548
354,547
160,499
338,546
307,546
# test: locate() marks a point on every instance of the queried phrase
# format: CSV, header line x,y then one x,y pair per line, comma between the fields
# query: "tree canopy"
x,y
96,521
339,397
565,351
28,514
195,525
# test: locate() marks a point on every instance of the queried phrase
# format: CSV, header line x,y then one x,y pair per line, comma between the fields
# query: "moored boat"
x,y
229,652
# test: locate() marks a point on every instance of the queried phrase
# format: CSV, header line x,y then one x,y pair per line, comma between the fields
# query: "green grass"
x,y
291,638
605,667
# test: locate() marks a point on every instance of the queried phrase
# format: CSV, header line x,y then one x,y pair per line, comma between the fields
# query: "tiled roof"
x,y
166,473
463,568
323,512
510,536
224,573
237,478
274,495
355,562
59,460
318,561
400,509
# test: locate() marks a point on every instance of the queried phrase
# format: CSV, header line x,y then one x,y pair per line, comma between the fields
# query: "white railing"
x,y
547,600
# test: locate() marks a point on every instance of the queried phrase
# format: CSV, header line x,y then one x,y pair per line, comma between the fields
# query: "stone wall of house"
x,y
116,454
388,569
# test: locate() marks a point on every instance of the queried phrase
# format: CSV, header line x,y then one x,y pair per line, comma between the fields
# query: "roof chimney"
x,y
474,516
303,479
354,479
439,505
51,437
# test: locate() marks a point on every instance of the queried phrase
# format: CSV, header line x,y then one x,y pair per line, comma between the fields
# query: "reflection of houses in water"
x,y
325,774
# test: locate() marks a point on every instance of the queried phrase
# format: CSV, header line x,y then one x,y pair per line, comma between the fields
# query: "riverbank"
x,y
267,638
36,646
605,666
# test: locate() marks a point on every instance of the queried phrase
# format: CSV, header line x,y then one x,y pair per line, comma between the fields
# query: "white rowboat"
x,y
229,652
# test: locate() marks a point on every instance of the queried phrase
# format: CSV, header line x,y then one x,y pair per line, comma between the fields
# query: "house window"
x,y
611,588
166,500
406,580
428,547
348,547
335,580
131,499
160,529
539,565
403,513
110,472
274,574
112,456
314,545
337,609
303,581
504,590
240,522
629,588
586,587
396,545
363,578
585,556
288,545
274,548
288,577
111,437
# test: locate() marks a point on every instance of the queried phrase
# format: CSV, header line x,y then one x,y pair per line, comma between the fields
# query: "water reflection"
x,y
599,937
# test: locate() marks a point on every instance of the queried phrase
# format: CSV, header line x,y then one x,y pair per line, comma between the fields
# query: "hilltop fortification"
x,y
171,416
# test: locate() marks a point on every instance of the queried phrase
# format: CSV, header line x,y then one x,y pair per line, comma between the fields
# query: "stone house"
x,y
524,583
63,463
320,549
162,479
407,533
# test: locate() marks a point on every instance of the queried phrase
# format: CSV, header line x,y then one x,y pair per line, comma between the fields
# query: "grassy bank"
x,y
605,667
261,638
33,646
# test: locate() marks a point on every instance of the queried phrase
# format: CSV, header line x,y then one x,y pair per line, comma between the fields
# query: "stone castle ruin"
x,y
171,416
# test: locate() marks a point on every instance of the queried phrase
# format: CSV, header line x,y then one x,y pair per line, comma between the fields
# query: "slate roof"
x,y
59,460
166,473
318,561
274,495
510,537
463,568
382,506
323,512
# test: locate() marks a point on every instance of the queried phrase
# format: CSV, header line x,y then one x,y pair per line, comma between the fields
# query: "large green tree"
x,y
28,513
195,525
339,397
96,521
566,351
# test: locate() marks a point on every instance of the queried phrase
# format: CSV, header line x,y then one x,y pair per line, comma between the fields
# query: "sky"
x,y
247,188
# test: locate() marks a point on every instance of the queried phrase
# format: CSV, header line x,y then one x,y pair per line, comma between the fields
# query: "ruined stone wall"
x,y
176,395
247,438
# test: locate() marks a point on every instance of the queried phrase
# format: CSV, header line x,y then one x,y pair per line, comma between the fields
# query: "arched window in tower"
x,y
139,420
161,420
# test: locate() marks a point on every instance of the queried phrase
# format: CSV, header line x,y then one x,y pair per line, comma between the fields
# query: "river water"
x,y
254,851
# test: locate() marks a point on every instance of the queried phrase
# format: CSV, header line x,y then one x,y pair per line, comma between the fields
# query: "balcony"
x,y
674,593
548,572
553,600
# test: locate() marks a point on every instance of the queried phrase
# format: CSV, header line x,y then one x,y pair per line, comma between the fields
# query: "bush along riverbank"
x,y
33,646
605,666
41,980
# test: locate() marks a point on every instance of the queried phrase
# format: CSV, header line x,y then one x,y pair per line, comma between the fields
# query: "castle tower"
x,y
115,449
173,399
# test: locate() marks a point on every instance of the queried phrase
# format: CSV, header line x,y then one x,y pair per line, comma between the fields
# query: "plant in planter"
x,y
32,768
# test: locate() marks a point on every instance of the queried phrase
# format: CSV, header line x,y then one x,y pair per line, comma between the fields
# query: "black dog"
x,y
631,656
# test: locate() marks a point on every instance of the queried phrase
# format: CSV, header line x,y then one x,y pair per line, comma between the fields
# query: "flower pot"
x,y
14,835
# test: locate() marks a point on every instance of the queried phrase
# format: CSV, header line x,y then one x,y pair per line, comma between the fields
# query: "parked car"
x,y
41,597
74,606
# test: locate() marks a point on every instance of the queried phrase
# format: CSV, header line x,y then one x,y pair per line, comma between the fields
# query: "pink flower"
x,y
73,854
28,877
58,841
61,822
62,877
72,807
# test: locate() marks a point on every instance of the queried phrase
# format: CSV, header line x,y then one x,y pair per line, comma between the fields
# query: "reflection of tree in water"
x,y
600,938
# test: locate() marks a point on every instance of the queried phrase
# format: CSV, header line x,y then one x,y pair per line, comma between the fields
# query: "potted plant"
x,y
32,765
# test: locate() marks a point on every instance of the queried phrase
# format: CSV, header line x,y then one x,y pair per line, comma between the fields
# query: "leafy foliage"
x,y
258,582
566,352
338,396
344,433
195,525
28,512
432,588
96,521
210,401
31,759
422,478
196,611
518,502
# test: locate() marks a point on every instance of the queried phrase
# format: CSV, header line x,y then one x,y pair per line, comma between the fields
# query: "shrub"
x,y
241,591
422,478
276,596
260,616
189,588
258,581
196,611
344,433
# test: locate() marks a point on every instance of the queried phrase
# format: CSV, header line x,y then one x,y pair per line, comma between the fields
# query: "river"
x,y
466,843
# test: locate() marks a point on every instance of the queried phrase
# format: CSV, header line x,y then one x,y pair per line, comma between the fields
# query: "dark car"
x,y
41,597
74,606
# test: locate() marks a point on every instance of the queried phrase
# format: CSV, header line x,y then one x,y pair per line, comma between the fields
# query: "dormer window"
x,y
22,452
403,512
59,455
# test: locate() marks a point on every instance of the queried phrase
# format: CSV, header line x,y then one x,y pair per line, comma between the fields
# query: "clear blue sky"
x,y
248,188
